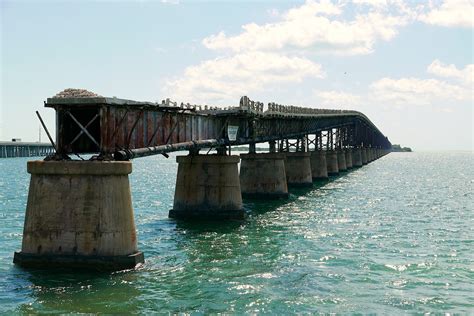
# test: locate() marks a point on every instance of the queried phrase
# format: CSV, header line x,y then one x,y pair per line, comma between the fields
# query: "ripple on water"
x,y
392,237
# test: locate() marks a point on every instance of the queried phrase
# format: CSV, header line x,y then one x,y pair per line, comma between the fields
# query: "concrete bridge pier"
x,y
79,214
349,163
341,160
207,187
319,170
263,175
363,152
332,164
356,158
298,169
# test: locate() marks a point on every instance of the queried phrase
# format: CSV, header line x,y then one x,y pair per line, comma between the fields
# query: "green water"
x,y
392,237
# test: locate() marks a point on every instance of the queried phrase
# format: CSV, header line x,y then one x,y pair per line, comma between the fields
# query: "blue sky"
x,y
408,65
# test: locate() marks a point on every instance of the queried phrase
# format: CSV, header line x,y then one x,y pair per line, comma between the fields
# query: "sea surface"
x,y
395,236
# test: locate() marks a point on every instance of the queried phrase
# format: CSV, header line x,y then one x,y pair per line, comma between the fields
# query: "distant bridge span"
x,y
123,129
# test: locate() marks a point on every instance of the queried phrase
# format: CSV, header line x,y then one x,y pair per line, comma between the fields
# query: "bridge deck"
x,y
130,128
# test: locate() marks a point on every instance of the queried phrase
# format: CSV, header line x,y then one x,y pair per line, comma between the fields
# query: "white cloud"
x,y
315,25
337,99
451,13
374,3
466,75
170,1
415,91
226,79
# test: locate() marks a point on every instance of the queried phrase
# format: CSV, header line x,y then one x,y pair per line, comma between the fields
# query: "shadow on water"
x,y
258,206
197,227
78,291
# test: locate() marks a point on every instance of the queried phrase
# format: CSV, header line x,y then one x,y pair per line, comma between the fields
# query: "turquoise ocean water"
x,y
392,237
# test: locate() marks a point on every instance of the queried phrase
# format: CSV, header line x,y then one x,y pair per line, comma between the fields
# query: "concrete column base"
x,y
364,155
263,176
341,160
79,214
298,169
356,158
207,188
319,170
349,158
332,164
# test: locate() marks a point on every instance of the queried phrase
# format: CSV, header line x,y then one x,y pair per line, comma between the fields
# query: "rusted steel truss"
x,y
123,129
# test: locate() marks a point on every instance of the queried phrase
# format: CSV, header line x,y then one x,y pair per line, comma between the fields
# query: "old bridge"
x,y
79,212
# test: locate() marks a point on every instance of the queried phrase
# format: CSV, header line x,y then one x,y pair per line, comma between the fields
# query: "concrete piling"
x,y
263,175
79,214
298,169
349,158
319,170
207,187
341,160
332,164
363,151
356,158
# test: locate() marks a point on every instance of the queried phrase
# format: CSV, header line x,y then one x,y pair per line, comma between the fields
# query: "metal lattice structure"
x,y
122,129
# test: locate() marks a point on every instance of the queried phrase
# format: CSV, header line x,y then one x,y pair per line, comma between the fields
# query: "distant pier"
x,y
24,149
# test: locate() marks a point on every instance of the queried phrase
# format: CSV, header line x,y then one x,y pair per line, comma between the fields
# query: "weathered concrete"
x,y
263,175
356,158
319,170
331,161
79,214
207,187
363,151
298,169
341,160
349,158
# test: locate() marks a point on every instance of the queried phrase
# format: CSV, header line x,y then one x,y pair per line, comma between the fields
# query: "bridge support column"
x,y
207,187
332,165
349,158
356,158
319,169
263,176
363,151
341,160
79,214
298,169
